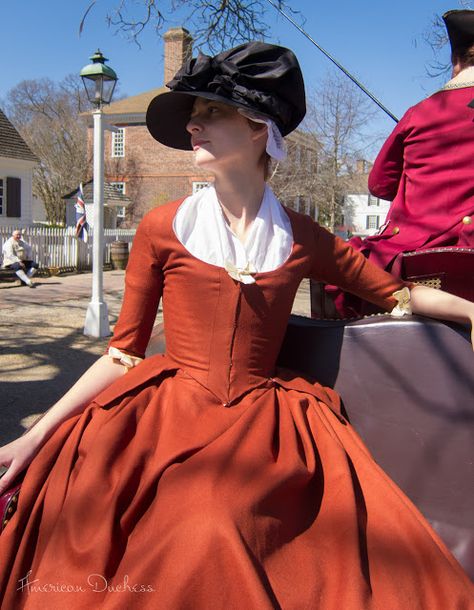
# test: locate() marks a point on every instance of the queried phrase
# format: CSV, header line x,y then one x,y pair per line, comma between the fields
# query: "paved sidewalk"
x,y
58,288
42,346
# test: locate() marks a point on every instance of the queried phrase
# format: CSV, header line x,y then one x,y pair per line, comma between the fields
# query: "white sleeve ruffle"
x,y
125,359
403,307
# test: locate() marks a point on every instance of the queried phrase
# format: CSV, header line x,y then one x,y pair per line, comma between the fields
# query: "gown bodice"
x,y
223,333
227,334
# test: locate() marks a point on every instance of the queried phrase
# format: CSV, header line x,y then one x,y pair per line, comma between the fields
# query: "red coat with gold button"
x,y
426,168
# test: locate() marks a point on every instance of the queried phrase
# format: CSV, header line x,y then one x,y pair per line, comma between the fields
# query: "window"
x,y
372,222
118,142
120,186
2,198
373,200
197,186
121,212
307,205
298,154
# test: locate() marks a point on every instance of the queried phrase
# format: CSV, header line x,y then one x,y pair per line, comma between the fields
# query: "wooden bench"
x,y
7,275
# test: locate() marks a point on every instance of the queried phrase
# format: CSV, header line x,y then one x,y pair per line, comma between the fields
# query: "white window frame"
x,y
118,143
307,205
3,199
372,221
121,212
372,200
298,153
120,186
197,186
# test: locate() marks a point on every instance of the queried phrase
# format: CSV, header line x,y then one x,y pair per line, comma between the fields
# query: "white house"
x,y
16,177
364,214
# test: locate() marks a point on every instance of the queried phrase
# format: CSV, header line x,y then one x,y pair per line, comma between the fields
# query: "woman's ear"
x,y
259,130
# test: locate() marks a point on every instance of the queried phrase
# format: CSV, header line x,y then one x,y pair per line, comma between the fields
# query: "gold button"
x,y
467,220
395,230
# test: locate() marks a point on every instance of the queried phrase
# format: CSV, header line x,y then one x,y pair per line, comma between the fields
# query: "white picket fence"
x,y
59,248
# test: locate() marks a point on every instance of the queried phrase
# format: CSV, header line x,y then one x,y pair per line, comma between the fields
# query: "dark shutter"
x,y
14,197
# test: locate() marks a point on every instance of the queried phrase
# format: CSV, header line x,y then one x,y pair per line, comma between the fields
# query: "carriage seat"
x,y
407,386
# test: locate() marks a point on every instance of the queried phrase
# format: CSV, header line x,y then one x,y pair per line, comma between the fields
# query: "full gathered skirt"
x,y
163,498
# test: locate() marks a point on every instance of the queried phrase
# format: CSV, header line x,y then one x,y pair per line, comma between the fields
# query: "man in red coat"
x,y
426,167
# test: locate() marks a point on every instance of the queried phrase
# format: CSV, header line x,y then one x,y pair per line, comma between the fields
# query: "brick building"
x,y
144,170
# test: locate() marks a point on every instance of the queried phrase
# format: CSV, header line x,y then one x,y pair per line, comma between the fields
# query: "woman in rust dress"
x,y
206,477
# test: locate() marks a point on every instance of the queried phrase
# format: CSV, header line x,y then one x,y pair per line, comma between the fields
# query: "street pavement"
x,y
43,350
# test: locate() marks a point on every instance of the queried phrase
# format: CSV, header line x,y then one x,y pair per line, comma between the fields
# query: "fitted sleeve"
x,y
143,289
385,175
336,262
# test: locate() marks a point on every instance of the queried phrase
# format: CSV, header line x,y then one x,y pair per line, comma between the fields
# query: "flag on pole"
x,y
82,227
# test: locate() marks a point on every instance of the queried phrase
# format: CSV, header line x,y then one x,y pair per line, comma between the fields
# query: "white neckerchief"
x,y
200,226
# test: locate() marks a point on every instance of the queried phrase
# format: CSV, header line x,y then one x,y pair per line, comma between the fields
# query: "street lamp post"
x,y
99,81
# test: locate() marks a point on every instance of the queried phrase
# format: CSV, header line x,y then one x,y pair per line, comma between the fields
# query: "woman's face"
x,y
221,137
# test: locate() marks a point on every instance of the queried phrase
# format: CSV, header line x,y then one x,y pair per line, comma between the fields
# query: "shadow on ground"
x,y
37,369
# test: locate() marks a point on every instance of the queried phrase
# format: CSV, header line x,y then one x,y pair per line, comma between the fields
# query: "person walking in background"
x,y
426,168
18,256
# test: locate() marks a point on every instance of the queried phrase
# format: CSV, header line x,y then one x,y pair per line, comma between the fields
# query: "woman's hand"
x,y
16,457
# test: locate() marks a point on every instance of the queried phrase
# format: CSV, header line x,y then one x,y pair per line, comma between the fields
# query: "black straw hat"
x,y
460,28
256,76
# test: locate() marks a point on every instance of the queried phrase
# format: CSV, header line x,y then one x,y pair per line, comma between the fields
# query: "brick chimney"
x,y
178,48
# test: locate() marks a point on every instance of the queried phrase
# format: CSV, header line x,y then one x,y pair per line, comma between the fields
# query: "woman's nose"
x,y
194,125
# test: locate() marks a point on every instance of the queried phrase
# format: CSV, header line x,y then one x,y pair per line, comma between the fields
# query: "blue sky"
x,y
380,41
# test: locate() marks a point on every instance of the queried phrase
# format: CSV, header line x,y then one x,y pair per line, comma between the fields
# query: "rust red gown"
x,y
207,478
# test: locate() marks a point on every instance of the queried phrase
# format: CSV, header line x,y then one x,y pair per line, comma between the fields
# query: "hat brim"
x,y
168,114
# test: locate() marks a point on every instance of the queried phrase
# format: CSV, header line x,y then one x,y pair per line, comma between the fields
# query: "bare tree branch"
x,y
84,17
214,23
338,114
47,116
